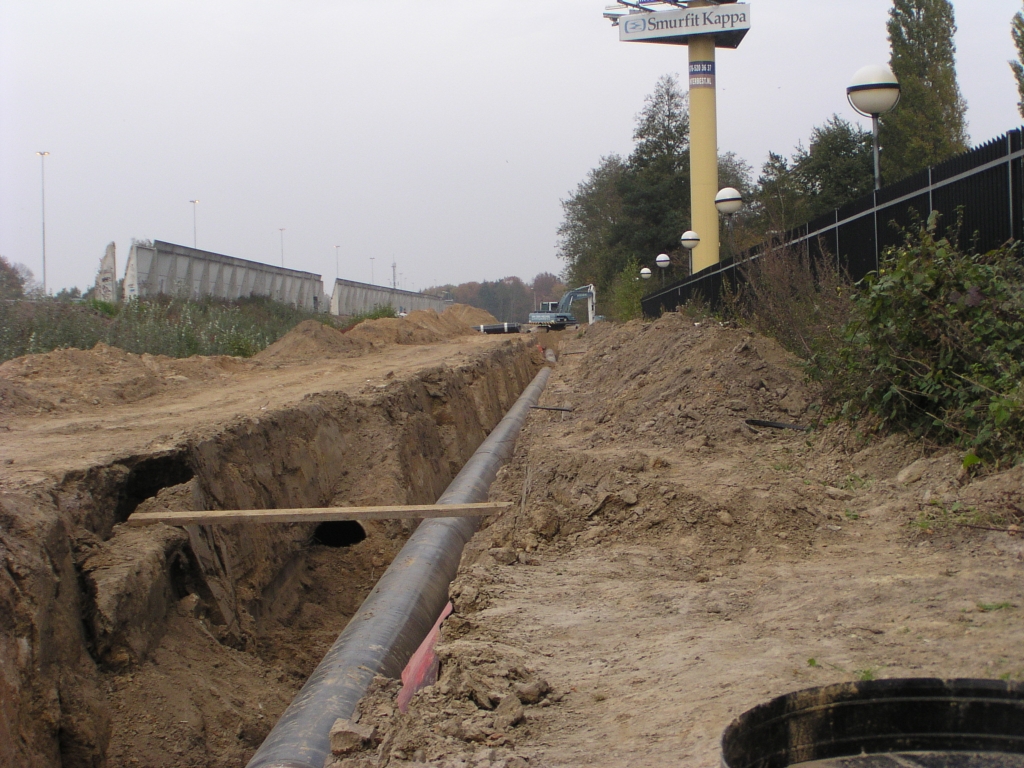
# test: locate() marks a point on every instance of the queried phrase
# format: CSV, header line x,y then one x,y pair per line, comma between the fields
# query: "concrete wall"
x,y
177,270
106,278
352,298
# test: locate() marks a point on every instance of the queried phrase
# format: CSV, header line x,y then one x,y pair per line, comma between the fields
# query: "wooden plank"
x,y
316,514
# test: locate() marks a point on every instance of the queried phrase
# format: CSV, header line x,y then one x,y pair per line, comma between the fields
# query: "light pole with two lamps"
x,y
873,92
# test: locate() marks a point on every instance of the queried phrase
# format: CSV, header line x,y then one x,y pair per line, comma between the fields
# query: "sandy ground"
x,y
669,567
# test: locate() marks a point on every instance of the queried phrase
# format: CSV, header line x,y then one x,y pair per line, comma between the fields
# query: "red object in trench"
x,y
422,668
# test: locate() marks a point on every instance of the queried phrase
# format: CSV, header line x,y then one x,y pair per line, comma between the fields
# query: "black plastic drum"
x,y
898,723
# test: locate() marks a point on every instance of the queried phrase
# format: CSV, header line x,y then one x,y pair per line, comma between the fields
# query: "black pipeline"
x,y
398,613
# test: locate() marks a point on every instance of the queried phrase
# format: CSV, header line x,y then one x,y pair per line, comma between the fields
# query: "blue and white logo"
x,y
632,26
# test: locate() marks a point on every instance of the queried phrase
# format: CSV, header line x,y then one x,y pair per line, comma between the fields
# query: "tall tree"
x,y
781,200
930,124
837,167
12,282
1017,32
592,216
656,189
636,208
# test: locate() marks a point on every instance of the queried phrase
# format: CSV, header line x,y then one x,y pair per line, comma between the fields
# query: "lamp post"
x,y
729,201
663,261
281,230
689,241
337,267
371,269
42,179
874,91
195,240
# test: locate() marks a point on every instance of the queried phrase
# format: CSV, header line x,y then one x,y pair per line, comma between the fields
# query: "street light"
x,y
281,229
645,273
42,179
690,240
873,92
663,261
194,239
371,269
729,201
337,268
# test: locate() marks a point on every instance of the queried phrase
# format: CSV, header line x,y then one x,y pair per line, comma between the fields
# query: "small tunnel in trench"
x,y
339,533
147,477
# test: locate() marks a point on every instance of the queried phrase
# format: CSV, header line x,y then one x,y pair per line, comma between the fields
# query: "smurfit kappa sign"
x,y
674,26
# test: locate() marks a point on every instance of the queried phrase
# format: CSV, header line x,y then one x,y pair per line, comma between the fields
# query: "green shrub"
x,y
627,291
378,312
936,346
28,327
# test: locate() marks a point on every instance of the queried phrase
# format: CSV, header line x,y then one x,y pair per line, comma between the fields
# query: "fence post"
x,y
874,215
1009,183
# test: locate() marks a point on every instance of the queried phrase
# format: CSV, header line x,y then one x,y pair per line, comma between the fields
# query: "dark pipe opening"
x,y
339,533
147,478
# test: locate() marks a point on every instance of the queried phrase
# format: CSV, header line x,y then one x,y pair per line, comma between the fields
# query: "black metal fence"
x,y
983,187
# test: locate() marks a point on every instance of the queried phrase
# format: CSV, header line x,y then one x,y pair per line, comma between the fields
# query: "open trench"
x,y
165,646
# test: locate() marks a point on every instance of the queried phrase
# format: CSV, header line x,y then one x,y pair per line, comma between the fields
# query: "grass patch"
x,y
160,326
991,607
936,516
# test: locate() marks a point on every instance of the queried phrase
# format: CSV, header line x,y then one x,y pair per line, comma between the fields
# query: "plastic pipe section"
x,y
398,613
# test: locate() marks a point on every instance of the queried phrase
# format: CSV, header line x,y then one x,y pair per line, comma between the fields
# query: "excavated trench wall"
x,y
80,593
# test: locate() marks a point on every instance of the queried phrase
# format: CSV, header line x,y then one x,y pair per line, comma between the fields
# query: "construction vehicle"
x,y
555,316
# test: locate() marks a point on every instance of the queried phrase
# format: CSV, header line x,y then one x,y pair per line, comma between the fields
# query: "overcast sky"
x,y
440,135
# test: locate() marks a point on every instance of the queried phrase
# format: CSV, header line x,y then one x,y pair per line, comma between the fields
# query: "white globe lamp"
x,y
728,201
689,241
874,91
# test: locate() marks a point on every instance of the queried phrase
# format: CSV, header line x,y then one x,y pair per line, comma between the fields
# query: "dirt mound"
x,y
424,326
470,315
447,324
70,379
393,330
310,340
15,400
674,394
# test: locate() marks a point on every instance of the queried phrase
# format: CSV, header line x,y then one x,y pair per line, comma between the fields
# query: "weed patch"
x,y
161,326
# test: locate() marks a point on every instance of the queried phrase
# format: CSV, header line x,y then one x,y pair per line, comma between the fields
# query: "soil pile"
x,y
424,326
471,316
312,340
73,379
393,330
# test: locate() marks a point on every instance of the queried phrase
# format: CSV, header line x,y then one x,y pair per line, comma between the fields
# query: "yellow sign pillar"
x,y
703,150
703,26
